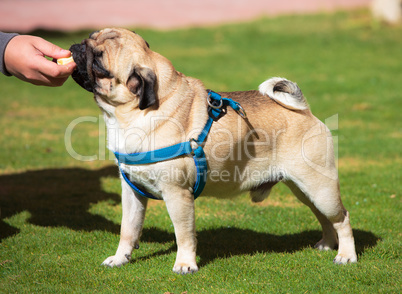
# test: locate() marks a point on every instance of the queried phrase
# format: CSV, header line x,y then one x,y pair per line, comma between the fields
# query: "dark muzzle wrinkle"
x,y
99,71
90,58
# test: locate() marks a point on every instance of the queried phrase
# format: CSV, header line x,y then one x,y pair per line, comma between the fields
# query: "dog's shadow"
x,y
63,197
226,242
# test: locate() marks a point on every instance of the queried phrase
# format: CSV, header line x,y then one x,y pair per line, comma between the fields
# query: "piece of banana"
x,y
64,61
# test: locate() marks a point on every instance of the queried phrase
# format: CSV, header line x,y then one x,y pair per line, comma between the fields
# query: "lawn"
x,y
60,213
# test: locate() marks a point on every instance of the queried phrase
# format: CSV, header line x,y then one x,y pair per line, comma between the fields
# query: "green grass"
x,y
61,216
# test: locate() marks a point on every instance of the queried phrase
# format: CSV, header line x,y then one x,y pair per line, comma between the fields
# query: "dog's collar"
x,y
216,104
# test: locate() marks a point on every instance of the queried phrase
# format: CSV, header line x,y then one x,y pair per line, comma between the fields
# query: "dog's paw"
x,y
116,261
326,245
344,259
184,269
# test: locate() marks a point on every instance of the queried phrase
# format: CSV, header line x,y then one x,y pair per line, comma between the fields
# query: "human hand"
x,y
24,58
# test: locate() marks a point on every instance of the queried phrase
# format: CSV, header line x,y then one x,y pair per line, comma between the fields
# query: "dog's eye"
x,y
100,71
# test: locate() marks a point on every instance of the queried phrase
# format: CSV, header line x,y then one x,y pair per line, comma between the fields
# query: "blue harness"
x,y
216,103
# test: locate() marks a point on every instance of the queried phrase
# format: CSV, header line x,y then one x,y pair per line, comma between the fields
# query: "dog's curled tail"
x,y
285,92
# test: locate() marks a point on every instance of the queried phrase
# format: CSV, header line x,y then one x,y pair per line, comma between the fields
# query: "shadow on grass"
x,y
62,198
224,242
56,198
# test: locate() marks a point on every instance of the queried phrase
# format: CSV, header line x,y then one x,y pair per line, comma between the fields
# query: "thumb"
x,y
51,50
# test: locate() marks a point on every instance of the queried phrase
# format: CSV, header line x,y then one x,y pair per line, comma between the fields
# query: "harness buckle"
x,y
193,149
211,101
241,111
197,152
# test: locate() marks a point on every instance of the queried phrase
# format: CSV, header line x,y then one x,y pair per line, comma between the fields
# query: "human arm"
x,y
4,39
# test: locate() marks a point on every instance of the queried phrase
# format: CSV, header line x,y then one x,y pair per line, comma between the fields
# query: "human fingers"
x,y
41,71
24,59
48,68
50,49
53,69
54,75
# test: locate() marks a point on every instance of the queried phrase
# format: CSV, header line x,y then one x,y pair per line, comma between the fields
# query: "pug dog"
x,y
148,105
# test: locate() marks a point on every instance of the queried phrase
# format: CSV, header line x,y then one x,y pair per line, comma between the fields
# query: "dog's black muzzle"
x,y
80,53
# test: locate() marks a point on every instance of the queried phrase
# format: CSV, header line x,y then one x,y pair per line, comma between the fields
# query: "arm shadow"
x,y
56,197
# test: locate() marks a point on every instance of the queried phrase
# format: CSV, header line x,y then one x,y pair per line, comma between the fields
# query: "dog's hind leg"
x,y
322,195
134,207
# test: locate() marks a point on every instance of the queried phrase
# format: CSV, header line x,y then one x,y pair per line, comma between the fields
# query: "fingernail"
x,y
64,51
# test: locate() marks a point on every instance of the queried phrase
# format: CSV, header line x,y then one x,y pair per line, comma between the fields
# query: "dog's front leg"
x,y
134,207
180,205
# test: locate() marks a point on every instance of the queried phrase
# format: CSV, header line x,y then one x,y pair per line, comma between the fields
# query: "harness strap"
x,y
156,155
215,102
199,160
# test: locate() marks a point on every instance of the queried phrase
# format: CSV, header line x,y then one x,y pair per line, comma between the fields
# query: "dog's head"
x,y
118,67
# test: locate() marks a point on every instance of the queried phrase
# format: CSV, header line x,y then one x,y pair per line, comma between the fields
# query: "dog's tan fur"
x,y
278,141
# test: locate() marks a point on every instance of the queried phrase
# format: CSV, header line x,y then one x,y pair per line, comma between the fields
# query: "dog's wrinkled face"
x,y
117,66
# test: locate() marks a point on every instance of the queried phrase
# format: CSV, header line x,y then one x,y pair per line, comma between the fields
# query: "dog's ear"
x,y
142,83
